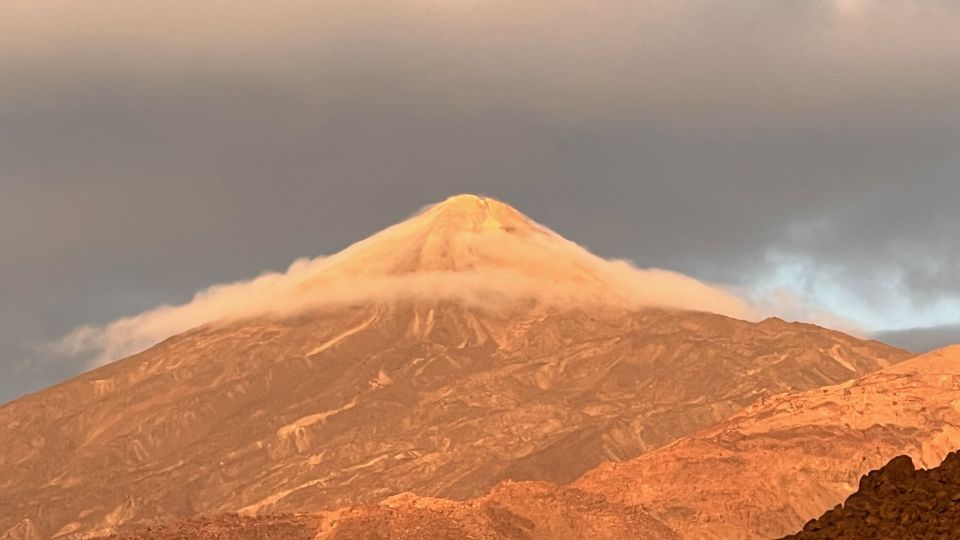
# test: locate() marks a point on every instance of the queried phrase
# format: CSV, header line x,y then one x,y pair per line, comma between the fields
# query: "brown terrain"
x,y
513,511
896,502
764,470
771,467
356,402
224,527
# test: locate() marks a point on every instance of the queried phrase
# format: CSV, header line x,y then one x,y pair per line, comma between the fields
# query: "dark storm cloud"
x,y
149,151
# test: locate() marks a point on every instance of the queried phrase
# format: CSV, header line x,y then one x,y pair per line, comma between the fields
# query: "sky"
x,y
149,150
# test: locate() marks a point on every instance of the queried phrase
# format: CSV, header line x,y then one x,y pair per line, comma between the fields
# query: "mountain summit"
x,y
476,214
462,233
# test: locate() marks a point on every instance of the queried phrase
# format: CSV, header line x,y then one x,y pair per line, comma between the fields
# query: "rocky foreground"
x,y
232,526
896,502
513,511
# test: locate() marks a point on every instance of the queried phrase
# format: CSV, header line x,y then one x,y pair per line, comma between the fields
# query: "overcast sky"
x,y
151,149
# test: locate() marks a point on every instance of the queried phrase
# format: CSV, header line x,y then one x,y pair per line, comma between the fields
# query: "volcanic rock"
x,y
896,502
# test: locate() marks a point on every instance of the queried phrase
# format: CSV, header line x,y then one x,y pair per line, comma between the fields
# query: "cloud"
x,y
422,259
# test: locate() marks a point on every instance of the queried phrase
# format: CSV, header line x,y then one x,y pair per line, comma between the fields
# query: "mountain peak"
x,y
473,213
466,202
462,233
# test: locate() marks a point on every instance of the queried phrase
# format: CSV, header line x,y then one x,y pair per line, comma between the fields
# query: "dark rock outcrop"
x,y
896,502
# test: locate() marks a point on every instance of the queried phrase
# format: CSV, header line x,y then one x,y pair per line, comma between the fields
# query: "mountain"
x,y
766,470
463,347
896,502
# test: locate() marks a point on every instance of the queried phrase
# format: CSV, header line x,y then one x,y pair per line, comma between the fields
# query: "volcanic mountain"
x,y
766,470
461,348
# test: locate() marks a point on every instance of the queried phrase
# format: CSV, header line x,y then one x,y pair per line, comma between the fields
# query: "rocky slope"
x,y
348,403
896,502
222,527
765,470
771,467
513,511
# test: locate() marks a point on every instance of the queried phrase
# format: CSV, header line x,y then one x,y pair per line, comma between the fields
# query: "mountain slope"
x,y
354,401
766,470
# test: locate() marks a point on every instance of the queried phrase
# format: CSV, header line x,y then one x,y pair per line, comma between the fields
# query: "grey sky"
x,y
149,149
